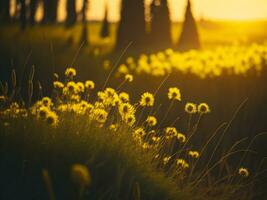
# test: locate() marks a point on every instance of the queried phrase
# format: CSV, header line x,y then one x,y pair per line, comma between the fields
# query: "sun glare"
x,y
208,9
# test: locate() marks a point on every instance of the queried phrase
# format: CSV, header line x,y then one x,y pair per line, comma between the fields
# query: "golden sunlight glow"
x,y
208,9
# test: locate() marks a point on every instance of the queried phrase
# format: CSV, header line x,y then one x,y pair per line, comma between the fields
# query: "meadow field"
x,y
90,123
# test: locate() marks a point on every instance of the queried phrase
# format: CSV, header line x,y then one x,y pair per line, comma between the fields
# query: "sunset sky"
x,y
209,9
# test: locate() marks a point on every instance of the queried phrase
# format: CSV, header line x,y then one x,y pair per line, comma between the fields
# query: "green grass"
x,y
115,163
28,147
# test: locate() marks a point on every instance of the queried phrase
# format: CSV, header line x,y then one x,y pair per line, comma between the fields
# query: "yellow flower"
x,y
128,77
110,92
46,101
191,108
147,99
70,72
80,174
89,85
174,94
166,159
75,97
139,132
181,137
193,154
181,163
156,139
130,119
124,97
2,99
80,86
71,87
43,112
243,172
100,115
203,108
113,127
151,120
170,132
58,85
126,109
52,118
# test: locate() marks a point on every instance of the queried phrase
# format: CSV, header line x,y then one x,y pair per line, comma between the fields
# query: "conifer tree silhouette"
x,y
189,38
132,26
160,24
105,25
71,13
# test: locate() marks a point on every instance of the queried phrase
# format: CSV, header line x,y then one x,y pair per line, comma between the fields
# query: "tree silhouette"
x,y
160,24
33,8
71,13
132,27
22,14
189,38
4,11
84,36
50,11
105,25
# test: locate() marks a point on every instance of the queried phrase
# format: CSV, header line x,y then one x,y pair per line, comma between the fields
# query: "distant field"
x,y
211,33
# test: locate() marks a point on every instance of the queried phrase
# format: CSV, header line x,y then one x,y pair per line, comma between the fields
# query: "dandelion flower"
x,y
147,99
146,146
128,77
151,120
46,101
80,86
166,159
156,139
130,119
124,97
80,174
243,172
174,94
2,99
203,108
52,118
71,87
70,72
181,137
43,112
126,109
113,127
193,154
89,85
139,132
170,132
110,92
191,108
181,163
58,85
100,115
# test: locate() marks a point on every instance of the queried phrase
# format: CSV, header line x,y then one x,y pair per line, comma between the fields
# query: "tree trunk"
x,y
22,15
71,13
33,8
132,26
5,11
50,11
